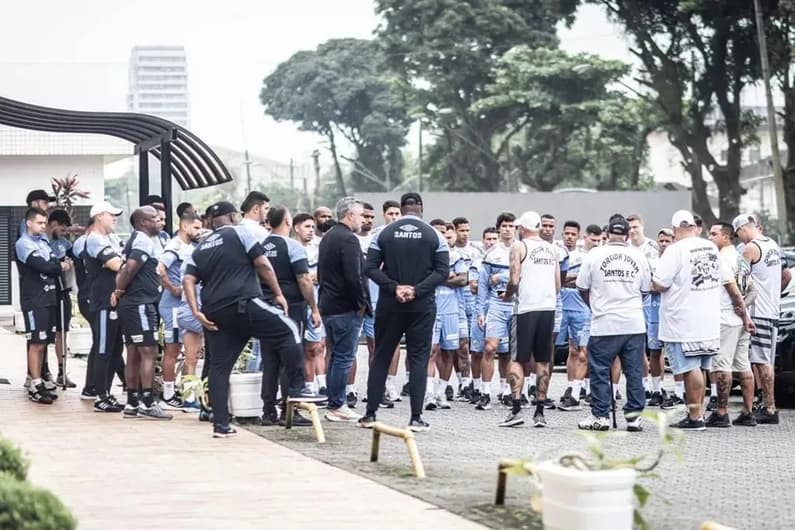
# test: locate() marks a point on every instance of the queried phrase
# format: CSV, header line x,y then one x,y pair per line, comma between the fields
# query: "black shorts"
x,y
67,314
40,324
139,324
533,337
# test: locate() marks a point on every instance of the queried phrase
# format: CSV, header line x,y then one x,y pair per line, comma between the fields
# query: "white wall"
x,y
21,173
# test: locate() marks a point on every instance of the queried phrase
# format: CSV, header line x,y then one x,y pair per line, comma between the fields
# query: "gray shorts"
x,y
763,343
733,354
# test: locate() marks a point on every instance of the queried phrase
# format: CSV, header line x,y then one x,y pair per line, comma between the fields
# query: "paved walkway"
x,y
115,473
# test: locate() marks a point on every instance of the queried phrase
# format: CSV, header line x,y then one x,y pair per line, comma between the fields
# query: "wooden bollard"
x,y
313,413
407,436
502,478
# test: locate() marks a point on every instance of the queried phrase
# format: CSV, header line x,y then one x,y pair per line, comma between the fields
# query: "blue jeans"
x,y
342,332
602,352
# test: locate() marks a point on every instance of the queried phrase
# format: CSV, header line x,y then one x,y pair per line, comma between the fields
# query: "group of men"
x,y
305,287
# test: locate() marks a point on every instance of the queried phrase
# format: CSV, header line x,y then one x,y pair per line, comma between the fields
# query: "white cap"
x,y
682,219
529,221
742,220
103,207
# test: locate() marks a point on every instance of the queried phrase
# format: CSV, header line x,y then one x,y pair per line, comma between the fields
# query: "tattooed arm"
x,y
515,260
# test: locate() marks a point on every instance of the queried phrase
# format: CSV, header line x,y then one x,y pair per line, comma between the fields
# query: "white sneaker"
x,y
392,394
430,402
442,403
592,423
342,414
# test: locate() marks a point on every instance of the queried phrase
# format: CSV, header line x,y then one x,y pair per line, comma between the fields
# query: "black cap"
x,y
618,226
220,208
410,198
39,195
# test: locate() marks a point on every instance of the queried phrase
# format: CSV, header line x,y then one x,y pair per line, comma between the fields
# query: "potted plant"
x,y
245,388
594,491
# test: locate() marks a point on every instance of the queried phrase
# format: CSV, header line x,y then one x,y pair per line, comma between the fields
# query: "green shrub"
x,y
12,461
23,506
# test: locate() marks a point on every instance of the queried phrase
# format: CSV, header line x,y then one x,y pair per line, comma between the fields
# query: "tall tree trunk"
x,y
789,170
337,168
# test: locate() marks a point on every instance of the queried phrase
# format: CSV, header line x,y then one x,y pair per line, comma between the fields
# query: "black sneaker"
x,y
671,401
588,398
323,391
173,403
269,420
405,390
712,406
306,395
512,420
61,379
582,393
759,403
106,405
40,395
525,401
568,403
448,393
224,431
531,392
484,403
465,395
205,415
115,401
298,420
352,399
52,393
566,394
548,403
765,417
153,413
688,424
367,421
648,394
656,399
507,400
387,403
430,402
88,393
419,425
475,398
130,411
539,420
718,420
744,419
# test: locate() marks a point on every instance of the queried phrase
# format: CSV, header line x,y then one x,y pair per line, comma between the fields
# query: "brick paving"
x,y
133,474
739,477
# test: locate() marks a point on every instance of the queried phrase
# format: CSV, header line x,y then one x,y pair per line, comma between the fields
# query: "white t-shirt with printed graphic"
x,y
616,275
739,271
690,309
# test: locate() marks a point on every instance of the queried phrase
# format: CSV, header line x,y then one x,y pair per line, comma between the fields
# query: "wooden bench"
x,y
407,436
313,413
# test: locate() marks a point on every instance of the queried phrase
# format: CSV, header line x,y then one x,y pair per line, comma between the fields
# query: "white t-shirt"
x,y
739,270
259,232
537,290
616,275
690,308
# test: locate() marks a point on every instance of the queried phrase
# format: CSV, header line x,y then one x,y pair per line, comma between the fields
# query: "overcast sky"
x,y
74,55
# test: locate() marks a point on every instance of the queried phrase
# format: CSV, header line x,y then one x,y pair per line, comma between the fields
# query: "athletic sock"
x,y
516,407
443,388
478,383
312,386
429,386
713,389
525,385
168,390
587,383
132,397
679,388
656,383
539,408
646,384
575,389
349,389
146,397
533,379
35,382
503,384
615,390
465,381
390,380
321,380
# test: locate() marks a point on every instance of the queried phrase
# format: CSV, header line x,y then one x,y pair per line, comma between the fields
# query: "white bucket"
x,y
586,500
80,341
244,395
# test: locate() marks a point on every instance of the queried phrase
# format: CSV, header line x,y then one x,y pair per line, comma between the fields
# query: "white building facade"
x,y
158,83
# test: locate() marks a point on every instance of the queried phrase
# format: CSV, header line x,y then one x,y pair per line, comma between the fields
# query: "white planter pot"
x,y
244,395
19,322
80,341
586,500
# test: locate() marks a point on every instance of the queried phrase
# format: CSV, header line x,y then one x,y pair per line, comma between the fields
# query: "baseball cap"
x,y
103,207
618,226
742,220
410,198
39,195
529,221
220,208
682,219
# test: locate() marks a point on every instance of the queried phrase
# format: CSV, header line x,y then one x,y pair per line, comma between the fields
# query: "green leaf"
x,y
641,494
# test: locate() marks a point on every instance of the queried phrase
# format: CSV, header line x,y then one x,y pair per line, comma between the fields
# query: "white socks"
x,y
478,383
321,380
168,389
526,385
575,388
656,384
646,384
533,379
679,388
713,389
587,383
349,389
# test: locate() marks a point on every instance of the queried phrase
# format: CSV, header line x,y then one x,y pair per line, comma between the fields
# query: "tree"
x,y
697,56
446,52
341,89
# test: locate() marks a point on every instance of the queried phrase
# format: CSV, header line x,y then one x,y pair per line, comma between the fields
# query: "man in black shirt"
x,y
230,264
38,270
83,305
136,297
102,258
58,222
408,259
343,302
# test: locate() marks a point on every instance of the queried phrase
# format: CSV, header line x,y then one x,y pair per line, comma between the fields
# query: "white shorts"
x,y
733,354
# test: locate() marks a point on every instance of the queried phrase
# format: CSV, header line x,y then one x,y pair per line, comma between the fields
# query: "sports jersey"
x,y
257,231
537,291
648,248
570,296
172,258
81,276
145,287
447,298
468,254
365,241
60,248
766,275
496,261
289,260
616,275
222,262
100,249
38,270
311,263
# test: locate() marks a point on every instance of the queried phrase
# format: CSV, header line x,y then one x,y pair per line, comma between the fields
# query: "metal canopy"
x,y
181,153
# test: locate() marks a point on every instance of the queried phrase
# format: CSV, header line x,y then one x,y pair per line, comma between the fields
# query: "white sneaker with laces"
x,y
342,414
442,403
592,423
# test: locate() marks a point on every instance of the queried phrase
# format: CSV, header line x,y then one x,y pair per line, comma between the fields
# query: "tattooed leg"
x,y
766,373
516,379
747,386
723,380
542,382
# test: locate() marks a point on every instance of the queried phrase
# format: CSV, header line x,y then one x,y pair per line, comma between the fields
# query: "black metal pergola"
x,y
182,154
